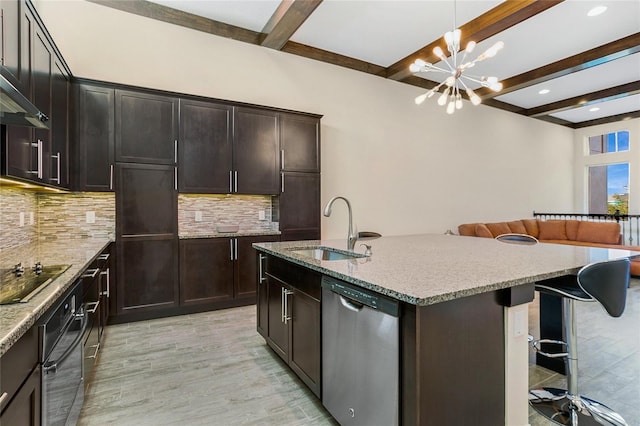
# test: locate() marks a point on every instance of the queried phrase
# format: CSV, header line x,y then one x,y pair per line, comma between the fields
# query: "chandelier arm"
x,y
435,68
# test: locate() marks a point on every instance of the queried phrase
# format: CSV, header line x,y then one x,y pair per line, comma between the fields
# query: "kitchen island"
x,y
463,323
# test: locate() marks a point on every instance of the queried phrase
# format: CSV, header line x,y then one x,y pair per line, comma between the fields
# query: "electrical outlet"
x,y
198,216
21,219
91,217
261,215
31,218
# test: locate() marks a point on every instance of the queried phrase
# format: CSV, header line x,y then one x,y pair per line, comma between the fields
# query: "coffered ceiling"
x,y
558,64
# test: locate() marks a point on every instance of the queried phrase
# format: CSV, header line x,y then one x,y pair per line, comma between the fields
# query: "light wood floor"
x,y
214,369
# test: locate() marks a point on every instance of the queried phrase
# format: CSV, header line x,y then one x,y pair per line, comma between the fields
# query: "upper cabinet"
x,y
255,151
205,147
146,128
17,24
59,123
94,142
299,143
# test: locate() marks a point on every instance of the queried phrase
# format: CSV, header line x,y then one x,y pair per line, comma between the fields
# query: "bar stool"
x,y
604,282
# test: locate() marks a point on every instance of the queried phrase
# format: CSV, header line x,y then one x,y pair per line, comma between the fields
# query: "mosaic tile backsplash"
x,y
214,210
15,203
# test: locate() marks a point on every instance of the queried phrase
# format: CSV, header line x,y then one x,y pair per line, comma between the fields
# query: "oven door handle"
x,y
52,366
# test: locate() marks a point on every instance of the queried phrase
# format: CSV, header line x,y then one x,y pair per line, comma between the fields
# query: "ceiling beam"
x,y
498,19
597,56
604,95
286,20
183,19
604,120
333,58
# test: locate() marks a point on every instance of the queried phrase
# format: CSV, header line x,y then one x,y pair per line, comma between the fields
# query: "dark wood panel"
x,y
300,141
146,199
15,68
95,140
286,20
245,265
147,273
206,271
205,147
299,277
146,127
41,89
444,378
304,344
277,330
17,363
59,125
25,408
300,204
17,151
255,151
262,298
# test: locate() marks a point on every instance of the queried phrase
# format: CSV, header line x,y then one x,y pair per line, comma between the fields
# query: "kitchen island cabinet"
x,y
463,320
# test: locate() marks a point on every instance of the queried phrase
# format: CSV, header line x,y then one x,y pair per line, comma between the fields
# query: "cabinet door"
x,y
24,409
206,271
304,344
95,141
262,308
105,288
204,147
59,125
146,200
246,273
300,143
11,42
255,151
147,273
146,128
42,82
300,206
18,151
278,331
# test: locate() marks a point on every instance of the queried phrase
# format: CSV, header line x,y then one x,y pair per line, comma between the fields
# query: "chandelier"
x,y
456,69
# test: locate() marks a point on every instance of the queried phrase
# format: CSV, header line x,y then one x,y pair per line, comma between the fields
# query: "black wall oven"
x,y
61,352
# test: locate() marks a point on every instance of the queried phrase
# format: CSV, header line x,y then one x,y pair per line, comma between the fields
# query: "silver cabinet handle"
x,y
90,273
57,179
286,317
111,177
106,291
92,307
40,144
104,256
175,151
231,249
281,181
261,277
5,395
282,159
230,181
175,178
235,179
235,248
282,304
95,354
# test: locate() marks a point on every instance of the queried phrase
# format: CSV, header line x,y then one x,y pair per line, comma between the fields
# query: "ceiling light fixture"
x,y
457,67
594,109
544,91
598,10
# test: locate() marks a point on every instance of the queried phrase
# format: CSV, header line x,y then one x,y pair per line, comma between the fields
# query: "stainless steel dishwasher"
x,y
360,354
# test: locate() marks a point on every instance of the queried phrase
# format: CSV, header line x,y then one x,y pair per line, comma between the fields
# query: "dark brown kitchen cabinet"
x,y
299,143
59,125
41,68
106,264
147,240
293,317
20,386
93,306
219,272
205,147
146,128
17,27
94,108
300,206
255,151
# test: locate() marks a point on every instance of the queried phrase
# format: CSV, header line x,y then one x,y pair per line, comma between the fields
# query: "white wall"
x,y
406,169
583,161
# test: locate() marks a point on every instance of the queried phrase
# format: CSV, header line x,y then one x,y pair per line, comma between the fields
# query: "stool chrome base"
x,y
553,404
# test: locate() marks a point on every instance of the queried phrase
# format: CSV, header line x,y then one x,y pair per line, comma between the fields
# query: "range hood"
x,y
15,109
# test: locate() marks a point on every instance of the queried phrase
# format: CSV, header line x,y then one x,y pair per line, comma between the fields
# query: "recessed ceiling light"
x,y
594,109
598,10
544,91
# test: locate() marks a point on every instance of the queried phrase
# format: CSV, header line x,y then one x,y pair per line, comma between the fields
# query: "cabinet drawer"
x,y
300,278
17,363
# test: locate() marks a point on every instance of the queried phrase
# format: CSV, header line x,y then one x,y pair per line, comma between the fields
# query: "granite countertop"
x,y
241,233
432,268
17,318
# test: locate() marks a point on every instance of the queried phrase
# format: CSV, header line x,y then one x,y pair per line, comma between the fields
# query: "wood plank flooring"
x,y
214,369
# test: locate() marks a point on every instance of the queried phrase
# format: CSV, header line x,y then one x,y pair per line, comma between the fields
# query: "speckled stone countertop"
x,y
432,268
17,318
214,234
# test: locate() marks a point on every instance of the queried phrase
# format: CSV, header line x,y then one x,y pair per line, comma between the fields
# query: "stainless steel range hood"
x,y
16,110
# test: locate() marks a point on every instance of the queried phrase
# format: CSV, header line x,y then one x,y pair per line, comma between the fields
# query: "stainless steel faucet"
x,y
351,237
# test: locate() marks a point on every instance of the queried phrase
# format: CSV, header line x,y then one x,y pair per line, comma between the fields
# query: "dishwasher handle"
x,y
351,305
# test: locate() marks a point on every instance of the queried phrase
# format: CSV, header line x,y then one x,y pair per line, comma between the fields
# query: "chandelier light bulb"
x,y
421,63
475,99
414,68
451,106
458,101
470,47
442,100
420,99
438,52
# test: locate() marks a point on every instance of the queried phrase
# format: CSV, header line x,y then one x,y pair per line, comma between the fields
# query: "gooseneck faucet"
x,y
351,237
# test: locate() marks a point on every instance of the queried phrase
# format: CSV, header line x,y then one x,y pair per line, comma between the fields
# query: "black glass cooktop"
x,y
14,289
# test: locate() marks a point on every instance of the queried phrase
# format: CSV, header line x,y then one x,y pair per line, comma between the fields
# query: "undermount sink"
x,y
325,253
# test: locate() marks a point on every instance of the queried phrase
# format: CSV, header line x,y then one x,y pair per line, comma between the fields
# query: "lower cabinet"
x,y
219,272
20,384
289,316
91,300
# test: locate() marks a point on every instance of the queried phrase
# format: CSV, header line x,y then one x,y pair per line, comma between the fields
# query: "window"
x,y
611,142
609,188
